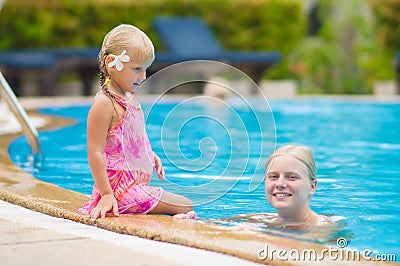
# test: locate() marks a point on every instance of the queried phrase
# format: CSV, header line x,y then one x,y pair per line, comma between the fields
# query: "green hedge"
x,y
243,25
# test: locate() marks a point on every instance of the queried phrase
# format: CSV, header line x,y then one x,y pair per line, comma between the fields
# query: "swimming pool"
x,y
356,145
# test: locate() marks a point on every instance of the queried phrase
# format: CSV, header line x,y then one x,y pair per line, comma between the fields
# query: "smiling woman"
x,y
290,182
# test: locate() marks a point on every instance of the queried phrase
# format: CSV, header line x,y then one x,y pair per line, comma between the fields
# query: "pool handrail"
x,y
28,129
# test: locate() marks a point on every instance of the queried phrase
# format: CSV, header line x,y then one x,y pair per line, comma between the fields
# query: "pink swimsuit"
x,y
129,164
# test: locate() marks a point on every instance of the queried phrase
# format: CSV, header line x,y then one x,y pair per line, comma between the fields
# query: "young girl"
x,y
119,152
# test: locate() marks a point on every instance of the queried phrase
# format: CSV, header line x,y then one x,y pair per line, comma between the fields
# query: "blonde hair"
x,y
120,38
300,152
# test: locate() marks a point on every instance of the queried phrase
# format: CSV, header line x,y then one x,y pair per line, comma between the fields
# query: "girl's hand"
x,y
106,203
158,167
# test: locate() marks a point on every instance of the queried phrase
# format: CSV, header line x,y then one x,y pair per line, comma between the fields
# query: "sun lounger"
x,y
83,61
16,64
47,65
188,38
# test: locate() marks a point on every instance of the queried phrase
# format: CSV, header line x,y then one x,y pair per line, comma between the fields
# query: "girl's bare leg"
x,y
171,203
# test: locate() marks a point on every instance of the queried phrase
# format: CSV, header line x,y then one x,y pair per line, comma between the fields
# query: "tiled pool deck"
x,y
40,226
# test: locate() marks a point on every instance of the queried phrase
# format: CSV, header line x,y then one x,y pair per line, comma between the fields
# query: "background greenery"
x,y
349,52
353,46
237,24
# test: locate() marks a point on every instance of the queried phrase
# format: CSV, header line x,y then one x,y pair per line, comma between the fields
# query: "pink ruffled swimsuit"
x,y
129,164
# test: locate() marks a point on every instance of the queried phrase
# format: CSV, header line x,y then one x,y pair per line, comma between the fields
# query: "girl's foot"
x,y
189,215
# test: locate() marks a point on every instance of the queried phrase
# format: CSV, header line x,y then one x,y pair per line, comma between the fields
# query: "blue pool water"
x,y
356,146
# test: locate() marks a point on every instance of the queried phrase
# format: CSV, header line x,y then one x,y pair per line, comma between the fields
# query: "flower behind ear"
x,y
119,60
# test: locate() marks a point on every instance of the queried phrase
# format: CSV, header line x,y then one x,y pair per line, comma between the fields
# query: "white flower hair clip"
x,y
119,60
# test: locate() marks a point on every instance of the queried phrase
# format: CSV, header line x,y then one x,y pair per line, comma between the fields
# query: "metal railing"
x,y
28,129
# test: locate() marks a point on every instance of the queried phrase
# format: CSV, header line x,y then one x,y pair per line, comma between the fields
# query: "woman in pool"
x,y
119,152
289,184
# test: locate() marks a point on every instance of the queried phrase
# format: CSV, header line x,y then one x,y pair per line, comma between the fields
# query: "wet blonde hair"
x,y
300,152
120,38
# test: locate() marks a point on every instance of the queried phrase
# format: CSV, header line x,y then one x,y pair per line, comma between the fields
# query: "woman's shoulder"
x,y
323,219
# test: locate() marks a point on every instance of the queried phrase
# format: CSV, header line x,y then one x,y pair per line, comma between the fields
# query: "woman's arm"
x,y
98,122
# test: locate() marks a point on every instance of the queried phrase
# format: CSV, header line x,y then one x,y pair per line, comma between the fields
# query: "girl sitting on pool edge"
x,y
119,151
290,182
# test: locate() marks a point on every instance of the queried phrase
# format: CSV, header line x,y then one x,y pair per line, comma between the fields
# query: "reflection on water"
x,y
268,223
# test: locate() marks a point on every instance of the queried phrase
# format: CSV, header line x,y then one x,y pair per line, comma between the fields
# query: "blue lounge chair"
x,y
82,60
188,38
47,64
15,64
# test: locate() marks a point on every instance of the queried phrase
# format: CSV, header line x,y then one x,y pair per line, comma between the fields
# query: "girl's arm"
x,y
158,167
98,122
